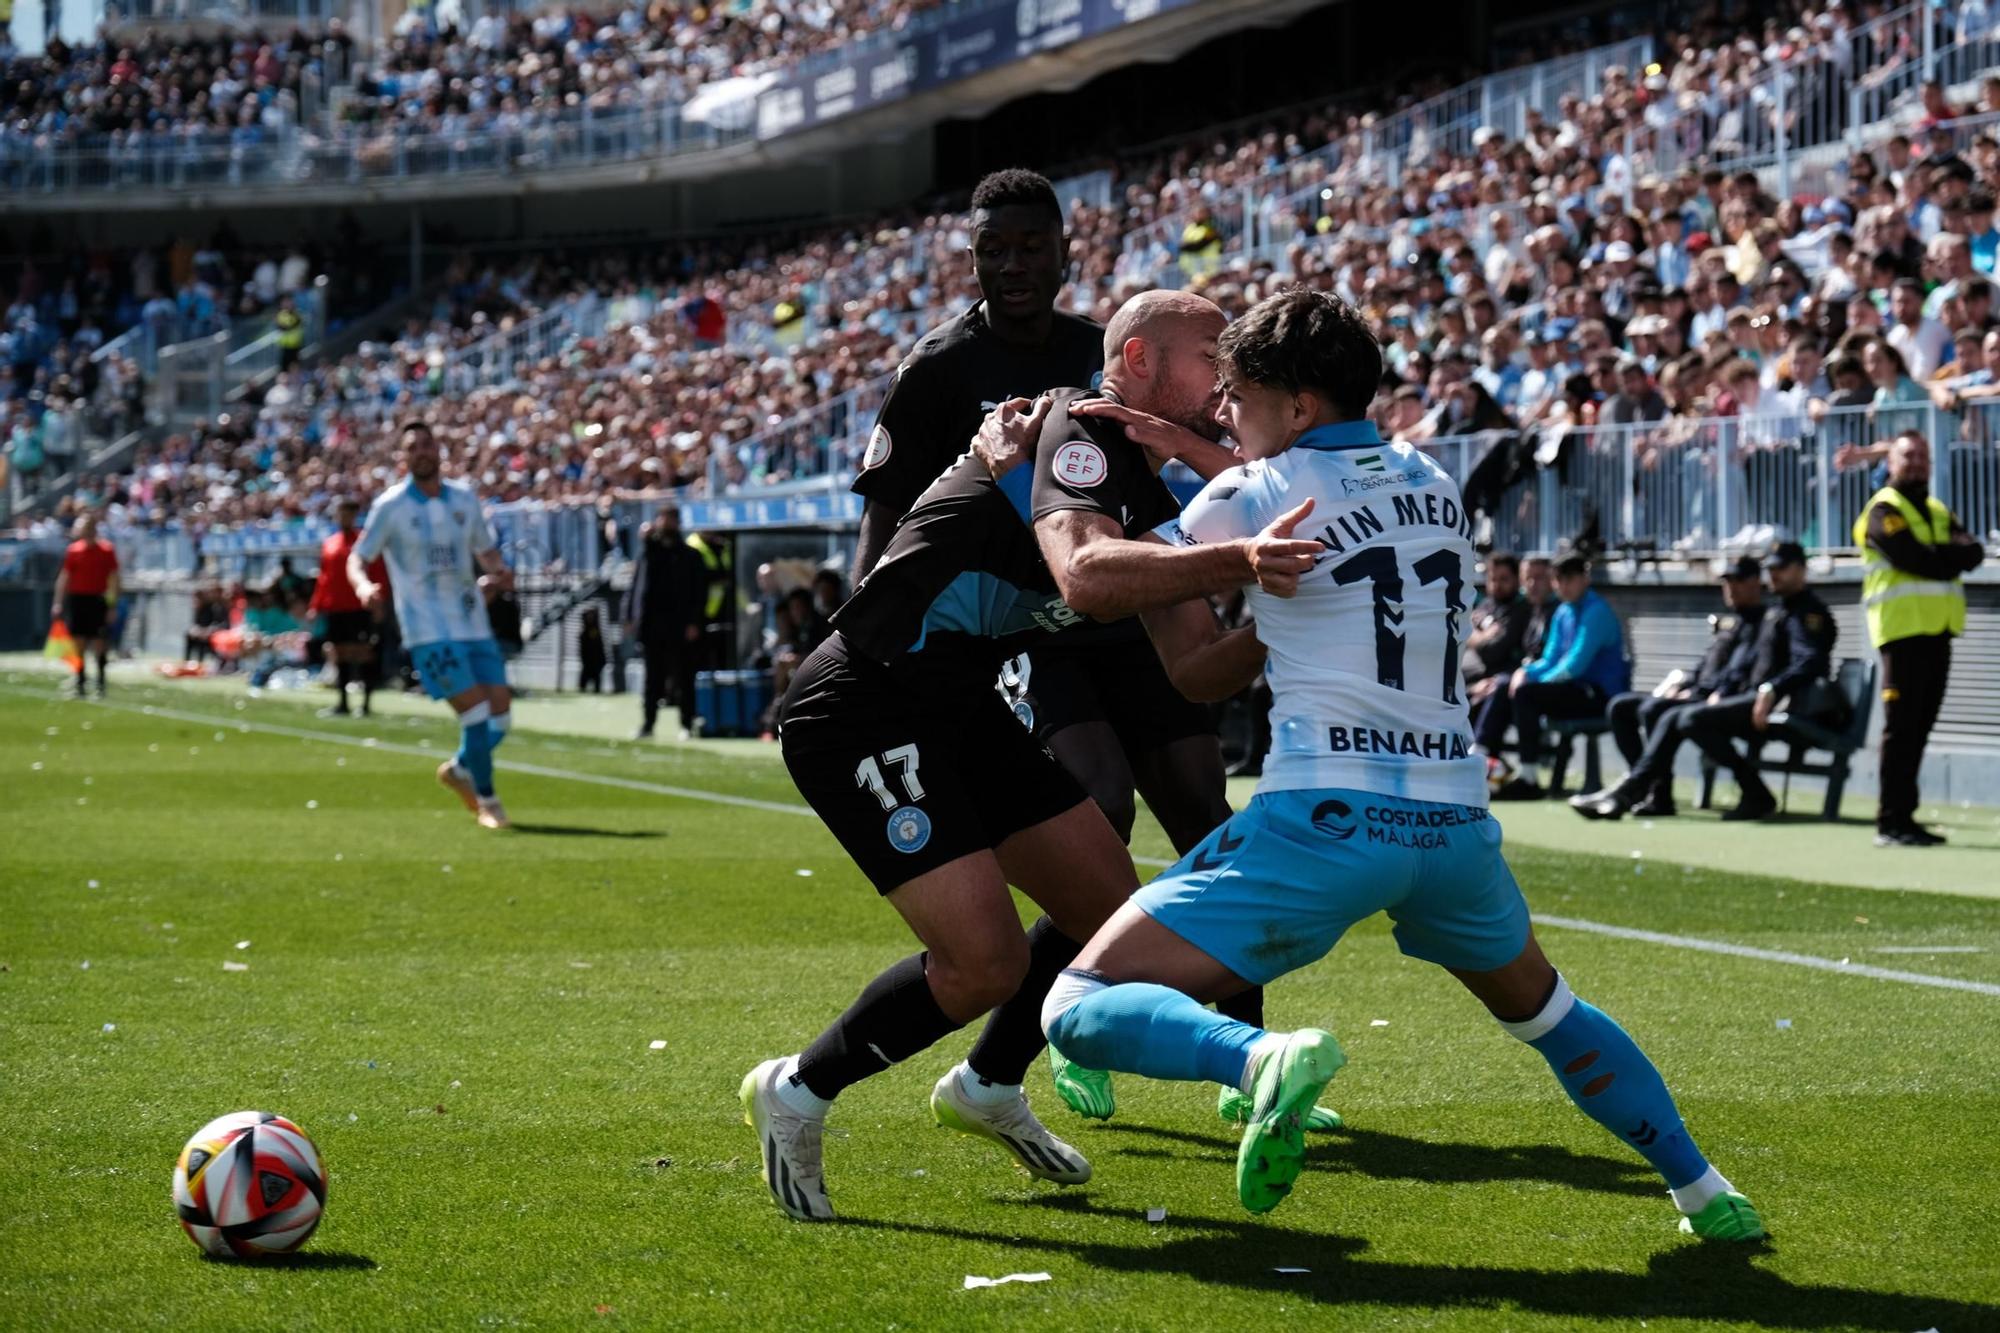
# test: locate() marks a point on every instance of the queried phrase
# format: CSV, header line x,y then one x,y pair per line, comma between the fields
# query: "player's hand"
x,y
1162,440
631,629
501,580
370,595
1760,712
1006,438
694,634
1278,559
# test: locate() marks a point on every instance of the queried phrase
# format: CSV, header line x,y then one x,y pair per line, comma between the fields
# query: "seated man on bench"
x,y
1643,724
1582,666
1794,648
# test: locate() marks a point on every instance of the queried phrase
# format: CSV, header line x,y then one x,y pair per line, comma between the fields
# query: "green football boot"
x,y
1727,1217
1233,1105
1084,1091
1286,1081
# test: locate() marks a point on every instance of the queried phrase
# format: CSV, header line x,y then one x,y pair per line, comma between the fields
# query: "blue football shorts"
x,y
453,666
1277,886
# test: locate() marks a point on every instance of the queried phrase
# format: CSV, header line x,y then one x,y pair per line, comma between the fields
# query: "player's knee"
x,y
1543,1021
1070,989
975,979
1120,807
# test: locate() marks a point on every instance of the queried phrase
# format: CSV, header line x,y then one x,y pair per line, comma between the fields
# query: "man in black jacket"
x,y
664,612
1644,725
1794,651
1499,628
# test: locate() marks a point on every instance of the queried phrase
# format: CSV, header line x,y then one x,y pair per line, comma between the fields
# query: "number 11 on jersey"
x,y
1378,566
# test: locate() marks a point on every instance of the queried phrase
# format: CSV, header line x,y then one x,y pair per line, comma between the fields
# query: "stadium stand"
x,y
1573,268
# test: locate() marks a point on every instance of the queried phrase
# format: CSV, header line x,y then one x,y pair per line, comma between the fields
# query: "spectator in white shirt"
x,y
1921,341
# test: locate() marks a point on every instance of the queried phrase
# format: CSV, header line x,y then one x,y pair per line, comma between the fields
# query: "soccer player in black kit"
x,y
1097,699
895,735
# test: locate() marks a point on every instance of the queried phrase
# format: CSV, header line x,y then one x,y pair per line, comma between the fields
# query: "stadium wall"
x,y
1666,625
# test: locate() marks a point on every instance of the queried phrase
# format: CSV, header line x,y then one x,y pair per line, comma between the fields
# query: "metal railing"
x,y
187,161
1684,488
1698,487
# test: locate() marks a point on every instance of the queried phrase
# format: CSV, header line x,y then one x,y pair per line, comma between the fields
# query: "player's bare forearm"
x,y
357,574
1206,664
878,524
1103,574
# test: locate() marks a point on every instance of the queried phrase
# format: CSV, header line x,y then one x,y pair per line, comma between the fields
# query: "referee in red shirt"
x,y
85,590
351,631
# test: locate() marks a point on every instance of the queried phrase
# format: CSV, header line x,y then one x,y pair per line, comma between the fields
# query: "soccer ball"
x,y
249,1184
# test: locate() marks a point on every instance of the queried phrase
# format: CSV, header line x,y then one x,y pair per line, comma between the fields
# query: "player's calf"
x,y
1611,1081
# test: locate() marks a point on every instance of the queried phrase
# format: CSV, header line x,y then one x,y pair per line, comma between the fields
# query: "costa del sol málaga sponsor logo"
x,y
1335,819
909,829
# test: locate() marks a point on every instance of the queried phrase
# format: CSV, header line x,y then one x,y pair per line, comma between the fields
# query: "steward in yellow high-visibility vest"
x,y
1915,556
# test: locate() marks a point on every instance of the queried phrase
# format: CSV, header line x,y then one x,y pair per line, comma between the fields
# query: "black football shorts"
x,y
915,766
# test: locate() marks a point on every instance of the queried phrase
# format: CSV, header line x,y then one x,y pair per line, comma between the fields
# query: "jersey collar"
x,y
1340,435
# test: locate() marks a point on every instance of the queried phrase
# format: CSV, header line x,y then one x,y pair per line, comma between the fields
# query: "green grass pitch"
x,y
463,1021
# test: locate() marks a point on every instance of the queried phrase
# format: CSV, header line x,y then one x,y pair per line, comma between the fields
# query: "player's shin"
x,y
499,725
1013,1036
1611,1081
475,747
895,1017
1142,1028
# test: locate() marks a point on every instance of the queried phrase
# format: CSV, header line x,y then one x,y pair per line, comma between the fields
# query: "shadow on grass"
x,y
1384,1156
302,1260
583,831
1689,1281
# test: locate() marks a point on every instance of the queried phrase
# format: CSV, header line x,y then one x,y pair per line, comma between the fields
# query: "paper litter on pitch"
x,y
1291,1270
1378,1022
656,1046
229,965
1156,1214
974,1280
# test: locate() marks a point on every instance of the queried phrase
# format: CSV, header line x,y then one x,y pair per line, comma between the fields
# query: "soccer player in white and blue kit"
x,y
431,533
1372,799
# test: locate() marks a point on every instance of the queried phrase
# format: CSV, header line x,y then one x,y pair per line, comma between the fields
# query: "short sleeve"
x,y
1229,508
897,465
374,533
1075,470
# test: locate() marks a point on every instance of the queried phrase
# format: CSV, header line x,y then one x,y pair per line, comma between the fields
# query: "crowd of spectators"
x,y
1525,286
437,72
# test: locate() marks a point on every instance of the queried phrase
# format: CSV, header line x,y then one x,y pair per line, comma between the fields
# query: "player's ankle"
x,y
1711,1185
984,1092
796,1096
1267,1045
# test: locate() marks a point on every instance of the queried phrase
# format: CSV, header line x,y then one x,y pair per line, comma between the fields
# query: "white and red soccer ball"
x,y
248,1185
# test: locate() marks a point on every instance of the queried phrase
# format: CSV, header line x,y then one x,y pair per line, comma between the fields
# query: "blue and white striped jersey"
x,y
429,547
1364,661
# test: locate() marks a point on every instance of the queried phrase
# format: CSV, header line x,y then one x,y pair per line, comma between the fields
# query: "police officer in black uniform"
x,y
1639,722
1794,652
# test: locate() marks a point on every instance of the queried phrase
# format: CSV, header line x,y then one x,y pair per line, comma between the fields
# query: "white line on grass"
x,y
1765,955
1687,942
510,765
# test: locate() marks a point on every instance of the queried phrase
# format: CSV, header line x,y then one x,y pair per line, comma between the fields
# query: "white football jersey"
x,y
429,545
1364,661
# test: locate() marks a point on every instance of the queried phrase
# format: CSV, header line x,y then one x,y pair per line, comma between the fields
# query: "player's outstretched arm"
x,y
1163,441
1205,663
1103,574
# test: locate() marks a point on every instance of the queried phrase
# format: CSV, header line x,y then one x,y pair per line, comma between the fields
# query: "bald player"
x,y
895,736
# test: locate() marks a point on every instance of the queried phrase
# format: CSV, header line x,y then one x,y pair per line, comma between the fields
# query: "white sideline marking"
x,y
1687,942
509,765
1765,955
